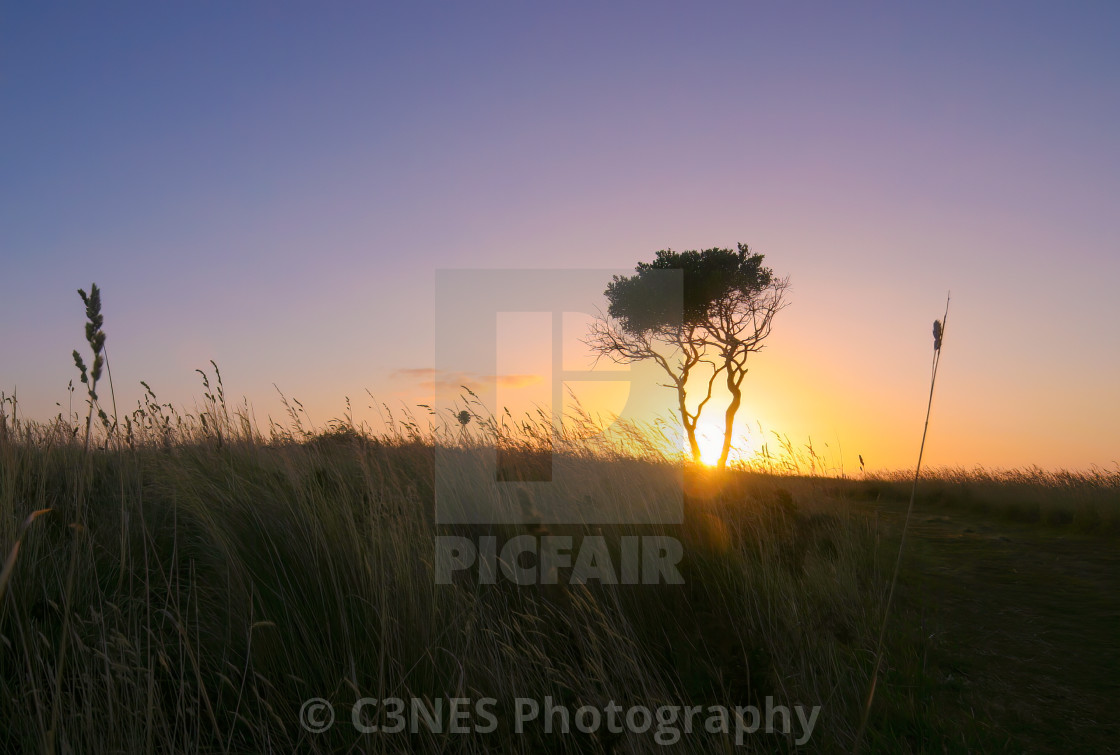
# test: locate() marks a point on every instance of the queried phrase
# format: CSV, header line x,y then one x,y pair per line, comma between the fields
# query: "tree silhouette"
x,y
727,310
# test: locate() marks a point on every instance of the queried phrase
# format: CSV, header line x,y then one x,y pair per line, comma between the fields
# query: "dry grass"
x,y
1087,502
205,580
194,580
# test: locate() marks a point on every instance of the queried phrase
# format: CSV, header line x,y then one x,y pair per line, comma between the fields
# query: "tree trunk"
x,y
689,426
729,416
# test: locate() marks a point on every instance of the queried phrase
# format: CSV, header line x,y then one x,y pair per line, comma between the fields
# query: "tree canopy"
x,y
723,314
640,302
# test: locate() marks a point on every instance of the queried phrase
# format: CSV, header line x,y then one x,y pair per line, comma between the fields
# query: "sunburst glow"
x,y
710,446
709,436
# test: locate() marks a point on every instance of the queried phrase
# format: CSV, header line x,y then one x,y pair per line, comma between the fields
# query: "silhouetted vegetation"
x,y
184,581
716,311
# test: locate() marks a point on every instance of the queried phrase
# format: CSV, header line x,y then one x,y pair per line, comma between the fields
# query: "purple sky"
x,y
273,186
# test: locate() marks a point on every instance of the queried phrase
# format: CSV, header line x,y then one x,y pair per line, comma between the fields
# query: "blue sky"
x,y
274,185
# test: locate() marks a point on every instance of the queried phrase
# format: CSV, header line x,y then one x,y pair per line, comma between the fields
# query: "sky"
x,y
274,186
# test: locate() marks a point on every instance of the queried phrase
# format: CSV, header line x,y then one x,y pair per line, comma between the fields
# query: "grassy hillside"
x,y
186,585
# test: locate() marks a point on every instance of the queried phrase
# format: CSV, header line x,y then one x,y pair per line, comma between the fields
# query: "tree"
x,y
727,310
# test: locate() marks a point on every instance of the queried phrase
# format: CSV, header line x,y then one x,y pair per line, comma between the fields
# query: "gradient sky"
x,y
274,185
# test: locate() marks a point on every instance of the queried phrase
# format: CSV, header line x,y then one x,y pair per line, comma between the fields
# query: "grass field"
x,y
186,585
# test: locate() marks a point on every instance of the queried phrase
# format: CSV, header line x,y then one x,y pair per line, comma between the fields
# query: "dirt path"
x,y
1024,626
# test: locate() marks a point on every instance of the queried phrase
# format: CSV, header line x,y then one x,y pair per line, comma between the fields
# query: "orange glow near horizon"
x,y
886,154
710,441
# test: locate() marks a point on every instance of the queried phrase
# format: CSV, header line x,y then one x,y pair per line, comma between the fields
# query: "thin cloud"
x,y
413,373
428,378
514,381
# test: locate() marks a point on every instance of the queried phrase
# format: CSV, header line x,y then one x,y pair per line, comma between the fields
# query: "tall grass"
x,y
183,581
1061,500
224,575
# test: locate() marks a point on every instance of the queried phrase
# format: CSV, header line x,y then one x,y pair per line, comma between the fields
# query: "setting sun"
x,y
709,435
710,444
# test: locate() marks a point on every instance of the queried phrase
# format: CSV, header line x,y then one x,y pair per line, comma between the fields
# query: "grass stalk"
x,y
938,335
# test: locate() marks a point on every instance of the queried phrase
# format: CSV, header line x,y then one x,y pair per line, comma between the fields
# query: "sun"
x,y
709,436
710,441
